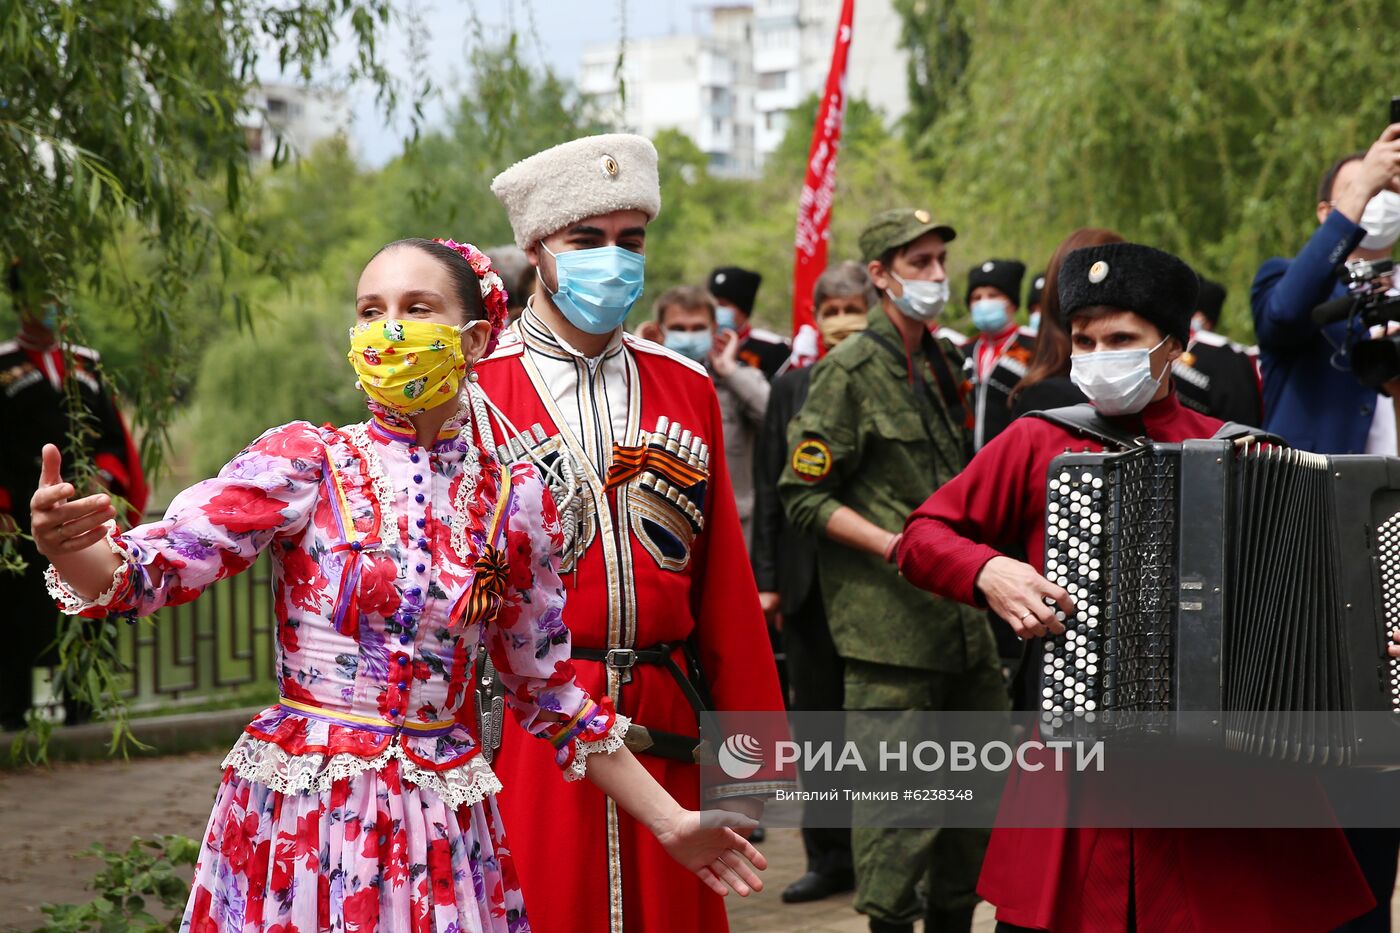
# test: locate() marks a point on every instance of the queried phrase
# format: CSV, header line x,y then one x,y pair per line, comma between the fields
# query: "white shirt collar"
x,y
538,334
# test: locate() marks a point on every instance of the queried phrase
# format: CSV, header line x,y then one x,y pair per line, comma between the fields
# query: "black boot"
x,y
884,926
958,920
815,885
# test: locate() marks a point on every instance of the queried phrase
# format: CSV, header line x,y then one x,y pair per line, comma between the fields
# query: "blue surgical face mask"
x,y
989,315
1034,324
597,287
48,316
726,319
691,344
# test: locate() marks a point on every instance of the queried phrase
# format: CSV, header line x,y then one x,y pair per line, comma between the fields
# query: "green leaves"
x,y
120,137
934,35
316,225
149,868
1198,126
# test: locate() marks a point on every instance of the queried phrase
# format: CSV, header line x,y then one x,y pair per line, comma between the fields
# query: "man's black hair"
x,y
1329,177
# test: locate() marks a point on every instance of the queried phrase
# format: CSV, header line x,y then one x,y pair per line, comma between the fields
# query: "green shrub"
x,y
146,872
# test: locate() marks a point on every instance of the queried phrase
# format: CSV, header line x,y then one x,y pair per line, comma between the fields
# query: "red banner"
x,y
814,206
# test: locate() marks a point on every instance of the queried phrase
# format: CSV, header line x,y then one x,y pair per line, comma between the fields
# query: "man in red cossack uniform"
x,y
38,392
1128,308
662,605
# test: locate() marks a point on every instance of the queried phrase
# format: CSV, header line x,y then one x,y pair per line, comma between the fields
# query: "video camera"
x,y
1372,299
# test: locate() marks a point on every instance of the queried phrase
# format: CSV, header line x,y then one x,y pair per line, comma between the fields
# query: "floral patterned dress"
x,y
359,802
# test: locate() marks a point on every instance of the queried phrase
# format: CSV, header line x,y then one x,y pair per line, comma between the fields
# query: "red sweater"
x,y
1067,880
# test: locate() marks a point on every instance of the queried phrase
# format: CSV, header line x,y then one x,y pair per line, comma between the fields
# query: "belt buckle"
x,y
621,659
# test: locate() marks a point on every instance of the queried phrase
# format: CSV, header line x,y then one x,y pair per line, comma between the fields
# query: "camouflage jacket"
x,y
879,433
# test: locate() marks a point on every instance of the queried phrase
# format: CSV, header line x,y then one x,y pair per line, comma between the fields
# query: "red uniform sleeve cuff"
x,y
112,465
934,558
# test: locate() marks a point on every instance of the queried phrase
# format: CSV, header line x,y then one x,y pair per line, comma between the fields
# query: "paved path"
x,y
47,816
766,913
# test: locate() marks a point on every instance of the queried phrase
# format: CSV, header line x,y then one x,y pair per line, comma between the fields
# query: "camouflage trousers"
x,y
892,863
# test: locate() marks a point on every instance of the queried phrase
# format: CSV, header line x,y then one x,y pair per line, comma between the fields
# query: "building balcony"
x,y
781,57
710,141
715,71
722,109
768,101
782,11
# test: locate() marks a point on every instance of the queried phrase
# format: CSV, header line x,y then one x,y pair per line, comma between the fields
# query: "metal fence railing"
x,y
217,649
213,648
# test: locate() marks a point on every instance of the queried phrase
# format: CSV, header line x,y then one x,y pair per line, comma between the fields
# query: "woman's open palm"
x,y
706,843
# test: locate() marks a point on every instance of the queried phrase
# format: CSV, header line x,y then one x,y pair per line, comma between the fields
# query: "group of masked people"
x,y
899,407
901,516
534,515
541,513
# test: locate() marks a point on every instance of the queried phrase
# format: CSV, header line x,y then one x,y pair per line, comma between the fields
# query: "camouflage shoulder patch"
x,y
811,460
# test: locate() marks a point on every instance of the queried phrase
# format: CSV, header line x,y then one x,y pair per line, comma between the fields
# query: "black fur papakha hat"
x,y
1150,283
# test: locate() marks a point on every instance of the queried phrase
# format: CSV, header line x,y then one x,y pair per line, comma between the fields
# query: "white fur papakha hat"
x,y
577,179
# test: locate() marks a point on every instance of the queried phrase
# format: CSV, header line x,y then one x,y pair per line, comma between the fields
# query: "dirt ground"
x,y
47,816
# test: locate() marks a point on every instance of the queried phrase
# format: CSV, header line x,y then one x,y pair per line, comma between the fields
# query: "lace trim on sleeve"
x,y
70,601
611,741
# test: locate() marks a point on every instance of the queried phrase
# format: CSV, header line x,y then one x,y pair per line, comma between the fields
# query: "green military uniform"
x,y
880,432
871,438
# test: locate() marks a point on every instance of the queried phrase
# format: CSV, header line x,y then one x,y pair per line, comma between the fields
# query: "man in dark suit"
x,y
1314,404
1322,407
785,566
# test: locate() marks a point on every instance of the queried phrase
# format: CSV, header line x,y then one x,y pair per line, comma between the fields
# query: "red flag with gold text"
x,y
814,206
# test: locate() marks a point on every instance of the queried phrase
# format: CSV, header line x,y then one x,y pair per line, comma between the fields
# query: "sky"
x,y
561,29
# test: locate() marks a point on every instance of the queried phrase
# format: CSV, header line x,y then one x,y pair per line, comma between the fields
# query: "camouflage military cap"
x,y
900,226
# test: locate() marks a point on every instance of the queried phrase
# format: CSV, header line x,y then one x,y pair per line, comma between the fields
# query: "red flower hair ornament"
x,y
493,290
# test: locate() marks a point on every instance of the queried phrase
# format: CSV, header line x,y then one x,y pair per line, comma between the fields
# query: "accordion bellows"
x,y
1259,583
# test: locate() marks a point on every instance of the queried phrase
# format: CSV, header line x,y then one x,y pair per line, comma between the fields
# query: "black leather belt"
x,y
640,738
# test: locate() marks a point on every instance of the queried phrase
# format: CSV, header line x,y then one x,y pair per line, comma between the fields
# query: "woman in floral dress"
x,y
360,801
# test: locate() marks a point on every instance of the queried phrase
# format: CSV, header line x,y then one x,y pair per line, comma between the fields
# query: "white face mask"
x,y
1381,220
922,301
1118,382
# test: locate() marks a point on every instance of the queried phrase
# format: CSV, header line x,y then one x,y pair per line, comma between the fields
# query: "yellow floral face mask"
x,y
408,366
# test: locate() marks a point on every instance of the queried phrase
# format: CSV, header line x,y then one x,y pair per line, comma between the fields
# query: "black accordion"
x,y
1256,586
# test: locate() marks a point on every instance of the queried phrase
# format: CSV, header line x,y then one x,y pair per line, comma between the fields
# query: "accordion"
x,y
1256,586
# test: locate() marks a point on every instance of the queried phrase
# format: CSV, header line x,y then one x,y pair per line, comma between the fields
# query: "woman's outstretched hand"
x,y
60,524
705,842
69,531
